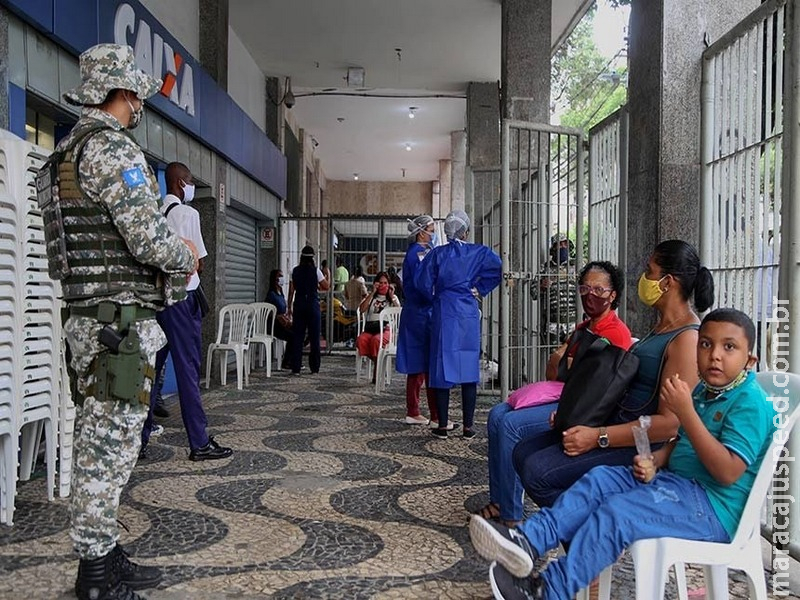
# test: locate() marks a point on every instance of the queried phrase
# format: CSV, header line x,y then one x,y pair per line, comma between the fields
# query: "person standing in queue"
x,y
183,325
118,263
413,339
303,308
454,277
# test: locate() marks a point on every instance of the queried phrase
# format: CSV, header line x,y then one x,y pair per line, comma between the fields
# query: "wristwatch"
x,y
602,439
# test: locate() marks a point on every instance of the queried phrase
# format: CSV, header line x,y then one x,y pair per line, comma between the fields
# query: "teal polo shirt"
x,y
742,419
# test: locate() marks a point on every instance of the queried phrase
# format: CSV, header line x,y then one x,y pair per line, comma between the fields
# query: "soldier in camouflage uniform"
x,y
556,289
118,262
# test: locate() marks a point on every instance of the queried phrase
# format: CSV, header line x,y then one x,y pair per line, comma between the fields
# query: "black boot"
x,y
97,581
136,577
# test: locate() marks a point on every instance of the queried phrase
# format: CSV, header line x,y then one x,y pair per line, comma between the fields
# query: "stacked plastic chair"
x,y
31,395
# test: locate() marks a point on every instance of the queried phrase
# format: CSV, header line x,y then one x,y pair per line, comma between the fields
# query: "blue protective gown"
x,y
447,276
413,340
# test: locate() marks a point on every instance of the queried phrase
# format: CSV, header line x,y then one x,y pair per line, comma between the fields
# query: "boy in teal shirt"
x,y
695,487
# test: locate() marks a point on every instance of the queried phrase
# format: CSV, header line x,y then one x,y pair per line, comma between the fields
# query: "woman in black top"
x,y
303,308
283,324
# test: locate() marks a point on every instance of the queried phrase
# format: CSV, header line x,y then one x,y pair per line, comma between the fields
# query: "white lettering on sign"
x,y
155,57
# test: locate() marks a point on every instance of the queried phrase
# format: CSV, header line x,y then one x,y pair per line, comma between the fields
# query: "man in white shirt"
x,y
181,323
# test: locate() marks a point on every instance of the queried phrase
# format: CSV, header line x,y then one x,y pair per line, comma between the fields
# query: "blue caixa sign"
x,y
189,96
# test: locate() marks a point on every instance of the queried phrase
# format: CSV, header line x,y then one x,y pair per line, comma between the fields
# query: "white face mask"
x,y
136,115
188,192
281,281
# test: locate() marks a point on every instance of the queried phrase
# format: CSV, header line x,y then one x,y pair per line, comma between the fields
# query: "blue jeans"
x,y
605,512
546,472
505,428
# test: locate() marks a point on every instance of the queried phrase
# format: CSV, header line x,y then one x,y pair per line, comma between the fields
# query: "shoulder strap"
x,y
170,207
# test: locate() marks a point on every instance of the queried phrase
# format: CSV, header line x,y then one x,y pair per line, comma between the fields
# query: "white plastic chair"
x,y
361,360
388,317
235,325
652,558
263,331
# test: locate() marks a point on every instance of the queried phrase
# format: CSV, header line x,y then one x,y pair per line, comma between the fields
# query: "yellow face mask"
x,y
650,290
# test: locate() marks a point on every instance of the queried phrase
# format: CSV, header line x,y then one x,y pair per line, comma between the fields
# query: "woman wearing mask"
x,y
303,309
414,334
452,276
283,323
549,463
600,285
370,341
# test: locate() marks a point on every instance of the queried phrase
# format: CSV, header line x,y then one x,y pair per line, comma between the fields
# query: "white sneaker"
x,y
450,426
157,430
418,420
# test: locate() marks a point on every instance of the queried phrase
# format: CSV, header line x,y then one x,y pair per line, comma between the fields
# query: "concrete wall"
x,y
378,197
246,82
180,17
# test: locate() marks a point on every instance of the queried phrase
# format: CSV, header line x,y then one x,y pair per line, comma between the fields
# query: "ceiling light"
x,y
355,77
355,176
411,110
408,147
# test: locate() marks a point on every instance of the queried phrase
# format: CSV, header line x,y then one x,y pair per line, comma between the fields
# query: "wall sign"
x,y
267,237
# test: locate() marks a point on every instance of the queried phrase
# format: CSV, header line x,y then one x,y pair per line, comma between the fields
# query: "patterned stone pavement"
x,y
328,495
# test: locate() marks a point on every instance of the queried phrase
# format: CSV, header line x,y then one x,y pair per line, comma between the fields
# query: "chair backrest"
x,y
263,318
390,316
234,323
750,522
360,319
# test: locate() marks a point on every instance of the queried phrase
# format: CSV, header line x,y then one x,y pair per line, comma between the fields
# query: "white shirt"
x,y
185,221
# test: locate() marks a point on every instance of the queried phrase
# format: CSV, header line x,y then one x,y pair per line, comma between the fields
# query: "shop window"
x,y
40,129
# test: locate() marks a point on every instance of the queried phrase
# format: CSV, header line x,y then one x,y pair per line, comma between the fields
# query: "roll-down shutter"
x,y
240,257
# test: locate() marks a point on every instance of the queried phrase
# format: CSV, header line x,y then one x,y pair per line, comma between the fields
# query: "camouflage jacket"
x,y
556,288
114,173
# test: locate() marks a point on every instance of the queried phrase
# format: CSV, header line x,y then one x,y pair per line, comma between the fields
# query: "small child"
x,y
699,490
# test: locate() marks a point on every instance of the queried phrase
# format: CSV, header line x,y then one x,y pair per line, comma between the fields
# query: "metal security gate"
x,y
750,209
542,195
240,257
608,190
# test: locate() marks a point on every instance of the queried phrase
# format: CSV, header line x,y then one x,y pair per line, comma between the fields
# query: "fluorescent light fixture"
x,y
355,176
408,147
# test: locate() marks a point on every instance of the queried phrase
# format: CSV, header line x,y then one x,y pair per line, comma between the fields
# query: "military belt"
x,y
108,312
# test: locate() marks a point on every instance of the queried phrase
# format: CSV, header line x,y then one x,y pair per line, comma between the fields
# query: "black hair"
x,y
359,271
736,317
613,272
389,294
324,264
273,281
679,259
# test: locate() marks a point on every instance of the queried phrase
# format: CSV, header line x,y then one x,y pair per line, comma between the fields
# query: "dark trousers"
x,y
545,471
181,323
469,396
306,319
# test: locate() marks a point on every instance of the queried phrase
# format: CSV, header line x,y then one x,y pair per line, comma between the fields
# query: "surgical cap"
x,y
456,224
417,224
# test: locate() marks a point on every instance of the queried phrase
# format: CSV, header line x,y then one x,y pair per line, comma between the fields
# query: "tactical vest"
x,y
84,249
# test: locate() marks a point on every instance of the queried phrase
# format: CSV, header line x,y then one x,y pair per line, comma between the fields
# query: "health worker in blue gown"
x,y
414,338
455,276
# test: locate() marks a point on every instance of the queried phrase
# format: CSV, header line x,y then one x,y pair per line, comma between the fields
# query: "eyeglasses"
x,y
596,290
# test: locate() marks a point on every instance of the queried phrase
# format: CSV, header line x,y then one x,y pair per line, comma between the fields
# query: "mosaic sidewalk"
x,y
328,495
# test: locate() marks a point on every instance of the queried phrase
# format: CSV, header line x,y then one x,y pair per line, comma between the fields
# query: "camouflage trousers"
x,y
107,439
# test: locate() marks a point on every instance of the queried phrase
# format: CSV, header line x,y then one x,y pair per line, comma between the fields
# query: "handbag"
x,y
372,327
535,394
202,301
596,381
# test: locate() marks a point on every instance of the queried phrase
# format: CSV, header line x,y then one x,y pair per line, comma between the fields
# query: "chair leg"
x,y
680,581
223,368
209,356
268,357
50,440
716,582
239,367
606,576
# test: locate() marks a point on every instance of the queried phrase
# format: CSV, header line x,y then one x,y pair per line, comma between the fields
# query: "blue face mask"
x,y
434,239
563,255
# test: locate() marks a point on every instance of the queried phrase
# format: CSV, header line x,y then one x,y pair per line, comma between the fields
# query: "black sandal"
x,y
490,511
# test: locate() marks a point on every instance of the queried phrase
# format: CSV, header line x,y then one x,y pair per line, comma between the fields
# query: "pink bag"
x,y
535,394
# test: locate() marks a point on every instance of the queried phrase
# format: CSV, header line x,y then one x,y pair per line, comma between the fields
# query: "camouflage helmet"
x,y
558,238
107,67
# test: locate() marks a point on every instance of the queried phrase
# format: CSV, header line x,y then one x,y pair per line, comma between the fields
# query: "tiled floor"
x,y
328,495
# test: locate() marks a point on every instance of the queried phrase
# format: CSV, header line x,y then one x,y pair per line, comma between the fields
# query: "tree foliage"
x,y
586,88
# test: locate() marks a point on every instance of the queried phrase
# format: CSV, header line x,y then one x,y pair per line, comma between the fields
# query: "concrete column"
x,y
458,163
445,190
525,62
483,125
214,39
666,42
4,117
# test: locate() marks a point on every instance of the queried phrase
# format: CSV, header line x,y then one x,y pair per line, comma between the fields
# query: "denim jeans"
x,y
546,472
605,512
505,428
